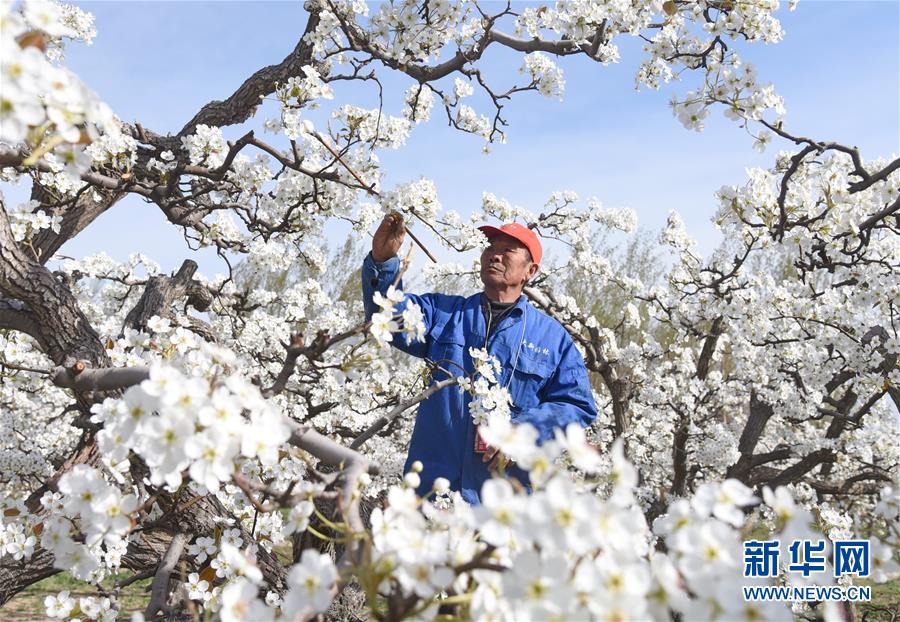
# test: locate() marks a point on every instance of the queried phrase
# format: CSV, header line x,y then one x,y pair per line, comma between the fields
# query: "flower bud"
x,y
412,479
442,485
417,466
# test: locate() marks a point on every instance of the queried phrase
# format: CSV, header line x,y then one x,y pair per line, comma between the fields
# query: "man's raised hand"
x,y
388,237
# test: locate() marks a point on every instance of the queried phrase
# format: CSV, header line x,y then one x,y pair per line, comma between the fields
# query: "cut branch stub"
x,y
161,293
83,380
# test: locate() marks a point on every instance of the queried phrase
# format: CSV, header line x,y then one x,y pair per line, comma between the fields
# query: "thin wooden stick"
x,y
367,188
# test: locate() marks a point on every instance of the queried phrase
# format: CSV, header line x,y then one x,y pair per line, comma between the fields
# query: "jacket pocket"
x,y
529,377
448,351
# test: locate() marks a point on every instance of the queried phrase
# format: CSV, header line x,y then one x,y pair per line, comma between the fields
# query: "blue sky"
x,y
838,69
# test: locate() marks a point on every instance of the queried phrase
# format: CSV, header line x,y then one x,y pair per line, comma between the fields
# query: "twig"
x,y
404,266
170,514
398,410
369,189
337,156
247,487
353,466
313,351
422,246
138,576
45,372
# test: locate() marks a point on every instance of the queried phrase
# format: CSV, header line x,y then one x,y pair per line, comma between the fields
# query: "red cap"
x,y
523,234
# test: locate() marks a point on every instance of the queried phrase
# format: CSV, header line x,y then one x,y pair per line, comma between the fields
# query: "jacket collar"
x,y
517,310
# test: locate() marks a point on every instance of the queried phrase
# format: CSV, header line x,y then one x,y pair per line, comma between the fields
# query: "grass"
x,y
885,603
28,605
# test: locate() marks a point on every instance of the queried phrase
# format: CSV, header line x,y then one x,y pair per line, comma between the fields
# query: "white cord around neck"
x,y
519,349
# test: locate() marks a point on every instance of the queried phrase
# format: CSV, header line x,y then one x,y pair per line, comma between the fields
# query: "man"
x,y
541,367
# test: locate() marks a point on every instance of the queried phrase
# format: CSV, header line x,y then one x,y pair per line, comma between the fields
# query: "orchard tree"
x,y
216,435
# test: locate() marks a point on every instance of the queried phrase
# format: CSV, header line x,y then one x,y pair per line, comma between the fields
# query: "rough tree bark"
x,y
46,305
76,216
35,302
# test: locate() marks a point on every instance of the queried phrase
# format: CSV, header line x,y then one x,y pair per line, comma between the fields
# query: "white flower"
x,y
82,485
883,565
202,547
112,514
383,327
159,324
501,512
20,546
59,606
537,586
412,479
163,447
232,561
545,75
77,559
206,146
211,452
413,321
222,411
46,16
161,380
262,438
232,537
197,588
781,502
517,441
462,88
310,584
298,518
724,500
92,607
668,589
583,456
762,140
240,603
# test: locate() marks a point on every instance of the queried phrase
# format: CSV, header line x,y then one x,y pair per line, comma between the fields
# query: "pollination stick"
x,y
369,189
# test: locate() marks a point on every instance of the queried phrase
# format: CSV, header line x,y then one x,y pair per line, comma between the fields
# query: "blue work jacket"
x,y
548,381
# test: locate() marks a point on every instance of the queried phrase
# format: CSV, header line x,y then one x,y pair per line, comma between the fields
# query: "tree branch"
x,y
760,413
352,463
373,429
65,332
241,104
77,214
15,158
162,291
794,472
15,315
80,378
160,588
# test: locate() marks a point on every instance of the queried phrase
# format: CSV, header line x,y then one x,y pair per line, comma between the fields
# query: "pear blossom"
x,y
60,605
310,583
202,548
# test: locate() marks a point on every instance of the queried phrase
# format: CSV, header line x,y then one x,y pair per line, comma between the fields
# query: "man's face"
x,y
505,263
